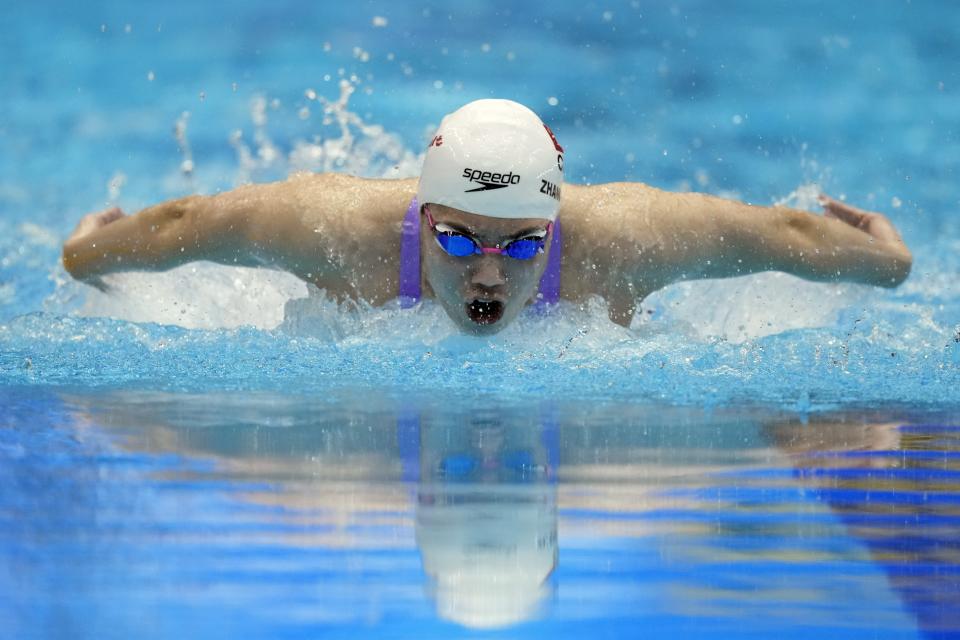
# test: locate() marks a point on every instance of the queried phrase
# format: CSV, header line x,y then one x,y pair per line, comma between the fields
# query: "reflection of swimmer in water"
x,y
483,224
486,516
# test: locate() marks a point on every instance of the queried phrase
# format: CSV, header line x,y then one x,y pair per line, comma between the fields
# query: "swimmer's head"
x,y
494,158
493,172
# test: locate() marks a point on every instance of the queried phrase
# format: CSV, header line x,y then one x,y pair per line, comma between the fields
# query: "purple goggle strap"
x,y
410,257
550,280
410,262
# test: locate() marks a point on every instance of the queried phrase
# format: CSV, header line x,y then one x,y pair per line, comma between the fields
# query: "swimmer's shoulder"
x,y
365,203
351,227
341,203
590,211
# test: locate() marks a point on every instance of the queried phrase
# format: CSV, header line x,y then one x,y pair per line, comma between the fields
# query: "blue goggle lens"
x,y
456,244
460,246
524,248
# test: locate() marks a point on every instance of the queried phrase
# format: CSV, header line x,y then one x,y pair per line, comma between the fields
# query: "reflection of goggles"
x,y
459,467
456,243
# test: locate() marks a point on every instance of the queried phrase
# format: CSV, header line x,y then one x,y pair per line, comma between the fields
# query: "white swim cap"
x,y
494,158
488,549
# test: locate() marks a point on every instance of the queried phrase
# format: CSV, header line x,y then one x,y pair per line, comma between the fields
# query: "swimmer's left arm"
x,y
845,244
704,236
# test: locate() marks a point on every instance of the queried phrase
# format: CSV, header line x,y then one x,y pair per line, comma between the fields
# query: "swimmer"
x,y
489,228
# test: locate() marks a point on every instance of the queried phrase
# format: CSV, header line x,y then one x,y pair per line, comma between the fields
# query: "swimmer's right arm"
x,y
157,238
299,225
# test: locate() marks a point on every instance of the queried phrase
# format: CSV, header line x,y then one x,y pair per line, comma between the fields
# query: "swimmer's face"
x,y
481,293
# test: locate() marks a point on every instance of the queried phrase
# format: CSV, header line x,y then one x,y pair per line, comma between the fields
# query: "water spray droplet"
x,y
114,185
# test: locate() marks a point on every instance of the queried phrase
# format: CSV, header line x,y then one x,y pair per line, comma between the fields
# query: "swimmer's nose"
x,y
489,272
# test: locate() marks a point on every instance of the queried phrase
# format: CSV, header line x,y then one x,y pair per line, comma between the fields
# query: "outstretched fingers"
x,y
842,211
109,215
875,224
93,221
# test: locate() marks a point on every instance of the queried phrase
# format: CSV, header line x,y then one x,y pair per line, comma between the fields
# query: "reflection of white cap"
x,y
489,555
494,158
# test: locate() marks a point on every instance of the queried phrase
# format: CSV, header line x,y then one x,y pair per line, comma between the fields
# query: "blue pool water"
x,y
214,452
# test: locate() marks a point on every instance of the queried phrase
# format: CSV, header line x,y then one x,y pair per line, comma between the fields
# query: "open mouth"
x,y
485,311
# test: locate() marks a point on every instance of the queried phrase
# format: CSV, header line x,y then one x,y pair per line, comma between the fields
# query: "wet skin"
x,y
481,293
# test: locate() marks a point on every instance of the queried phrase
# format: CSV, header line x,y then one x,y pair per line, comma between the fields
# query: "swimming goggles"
x,y
516,465
457,243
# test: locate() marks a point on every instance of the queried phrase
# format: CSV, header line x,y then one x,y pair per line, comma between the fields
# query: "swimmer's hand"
x,y
875,224
93,221
883,237
88,225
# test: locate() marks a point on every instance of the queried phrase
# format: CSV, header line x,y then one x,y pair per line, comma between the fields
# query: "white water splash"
x,y
360,148
196,296
741,309
180,134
